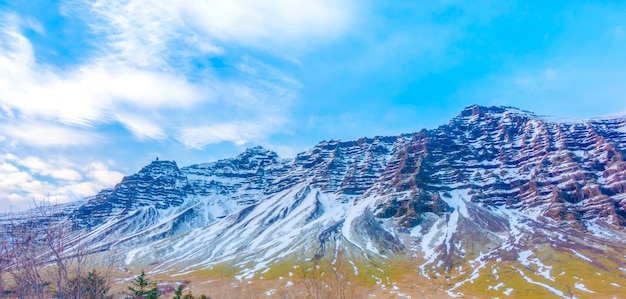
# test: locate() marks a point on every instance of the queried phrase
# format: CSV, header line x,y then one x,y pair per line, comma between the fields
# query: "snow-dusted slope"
x,y
499,201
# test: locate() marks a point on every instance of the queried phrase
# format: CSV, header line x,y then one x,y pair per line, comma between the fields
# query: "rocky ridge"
x,y
494,184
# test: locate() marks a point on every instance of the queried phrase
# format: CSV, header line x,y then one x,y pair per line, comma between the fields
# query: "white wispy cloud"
x,y
30,179
236,132
138,72
141,127
37,165
100,173
274,22
146,32
87,94
47,135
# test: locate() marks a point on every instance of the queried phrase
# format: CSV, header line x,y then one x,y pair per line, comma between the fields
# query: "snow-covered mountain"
x,y
497,202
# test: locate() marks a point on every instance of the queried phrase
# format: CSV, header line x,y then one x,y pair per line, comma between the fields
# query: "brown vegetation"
x,y
50,261
53,262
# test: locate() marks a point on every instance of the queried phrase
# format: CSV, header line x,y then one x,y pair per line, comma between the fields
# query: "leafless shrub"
x,y
44,257
327,279
24,259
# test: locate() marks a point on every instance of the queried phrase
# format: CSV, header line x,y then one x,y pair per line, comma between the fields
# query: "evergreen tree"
x,y
178,294
143,288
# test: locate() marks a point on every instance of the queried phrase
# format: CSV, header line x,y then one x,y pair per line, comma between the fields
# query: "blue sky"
x,y
93,90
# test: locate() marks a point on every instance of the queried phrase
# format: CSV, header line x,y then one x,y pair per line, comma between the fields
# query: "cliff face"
x,y
494,184
574,171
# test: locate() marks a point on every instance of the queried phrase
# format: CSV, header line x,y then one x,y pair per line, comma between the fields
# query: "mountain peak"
x,y
255,157
160,164
476,116
256,151
158,168
476,110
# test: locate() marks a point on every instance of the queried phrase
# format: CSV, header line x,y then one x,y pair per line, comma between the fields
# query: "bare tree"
x,y
328,279
4,258
44,257
24,260
55,237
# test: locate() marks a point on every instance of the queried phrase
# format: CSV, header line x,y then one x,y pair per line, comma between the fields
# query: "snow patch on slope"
x,y
581,286
545,286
